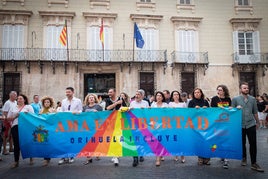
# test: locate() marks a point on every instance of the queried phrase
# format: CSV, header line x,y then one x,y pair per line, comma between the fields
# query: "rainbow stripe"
x,y
122,142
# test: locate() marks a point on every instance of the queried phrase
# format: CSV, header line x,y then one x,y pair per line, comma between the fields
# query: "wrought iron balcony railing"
x,y
189,57
260,58
82,55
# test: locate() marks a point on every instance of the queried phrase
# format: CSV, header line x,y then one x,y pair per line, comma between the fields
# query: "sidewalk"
x,y
104,168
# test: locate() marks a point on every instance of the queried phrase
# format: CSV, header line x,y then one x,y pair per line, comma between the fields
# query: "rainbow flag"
x,y
101,33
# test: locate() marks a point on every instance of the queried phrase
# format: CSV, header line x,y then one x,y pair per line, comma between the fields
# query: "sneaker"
x,y
244,162
135,161
61,161
71,160
225,165
256,167
116,162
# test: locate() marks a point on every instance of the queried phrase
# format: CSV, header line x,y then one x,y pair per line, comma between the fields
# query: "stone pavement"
x,y
104,168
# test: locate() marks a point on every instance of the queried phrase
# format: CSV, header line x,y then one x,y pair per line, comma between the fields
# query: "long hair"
x,y
202,94
26,101
162,94
225,90
172,95
87,97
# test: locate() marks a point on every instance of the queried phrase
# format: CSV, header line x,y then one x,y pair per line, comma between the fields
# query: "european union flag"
x,y
138,37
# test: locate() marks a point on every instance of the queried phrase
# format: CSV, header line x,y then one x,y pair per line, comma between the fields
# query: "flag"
x,y
63,35
138,37
101,34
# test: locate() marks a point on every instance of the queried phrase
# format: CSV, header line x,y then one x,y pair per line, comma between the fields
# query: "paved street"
x,y
104,168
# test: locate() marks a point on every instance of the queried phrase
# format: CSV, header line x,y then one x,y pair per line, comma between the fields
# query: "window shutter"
x,y
235,41
256,42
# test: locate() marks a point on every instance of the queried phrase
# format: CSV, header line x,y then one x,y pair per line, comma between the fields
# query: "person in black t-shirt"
x,y
222,99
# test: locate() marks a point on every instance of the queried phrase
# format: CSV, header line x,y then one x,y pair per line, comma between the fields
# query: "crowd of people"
x,y
254,110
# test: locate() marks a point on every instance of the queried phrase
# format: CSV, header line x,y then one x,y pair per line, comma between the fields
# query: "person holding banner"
x,y
113,103
250,122
91,105
199,101
159,103
12,116
176,102
222,100
138,103
70,104
47,107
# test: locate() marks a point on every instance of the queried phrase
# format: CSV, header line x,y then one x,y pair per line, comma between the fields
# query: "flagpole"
x,y
133,42
67,44
102,37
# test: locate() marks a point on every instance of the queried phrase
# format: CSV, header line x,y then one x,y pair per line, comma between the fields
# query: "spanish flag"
x,y
63,35
101,34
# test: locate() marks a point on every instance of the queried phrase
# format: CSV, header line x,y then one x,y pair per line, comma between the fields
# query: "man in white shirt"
x,y
138,103
70,104
7,133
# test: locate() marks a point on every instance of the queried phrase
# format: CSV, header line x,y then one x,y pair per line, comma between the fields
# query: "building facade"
x,y
188,44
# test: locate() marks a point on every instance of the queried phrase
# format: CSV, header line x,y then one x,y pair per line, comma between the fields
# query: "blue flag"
x,y
138,37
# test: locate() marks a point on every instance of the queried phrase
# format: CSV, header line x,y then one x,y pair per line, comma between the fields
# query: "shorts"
x,y
7,126
262,116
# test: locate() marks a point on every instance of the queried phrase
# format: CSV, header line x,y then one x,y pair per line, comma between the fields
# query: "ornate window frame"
x,y
186,23
15,1
63,2
150,5
238,8
245,24
100,3
190,6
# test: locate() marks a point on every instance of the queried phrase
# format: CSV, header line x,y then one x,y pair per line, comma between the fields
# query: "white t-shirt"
x,y
8,105
154,105
177,105
141,104
15,110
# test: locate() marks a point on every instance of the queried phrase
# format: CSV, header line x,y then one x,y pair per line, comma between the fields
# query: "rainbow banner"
x,y
210,132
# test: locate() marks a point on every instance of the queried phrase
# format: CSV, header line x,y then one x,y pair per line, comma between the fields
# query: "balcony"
x,y
189,59
255,58
81,55
252,62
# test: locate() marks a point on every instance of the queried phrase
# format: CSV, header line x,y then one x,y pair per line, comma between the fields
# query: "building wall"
x,y
215,36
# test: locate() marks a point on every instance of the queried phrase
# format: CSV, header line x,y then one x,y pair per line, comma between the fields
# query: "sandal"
x,y
88,161
15,165
182,159
31,161
200,161
157,163
162,158
46,162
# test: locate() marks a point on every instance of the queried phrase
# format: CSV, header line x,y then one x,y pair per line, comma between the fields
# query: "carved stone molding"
x,y
147,21
94,19
63,2
14,17
99,3
4,2
246,7
56,18
245,24
150,5
186,23
190,7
